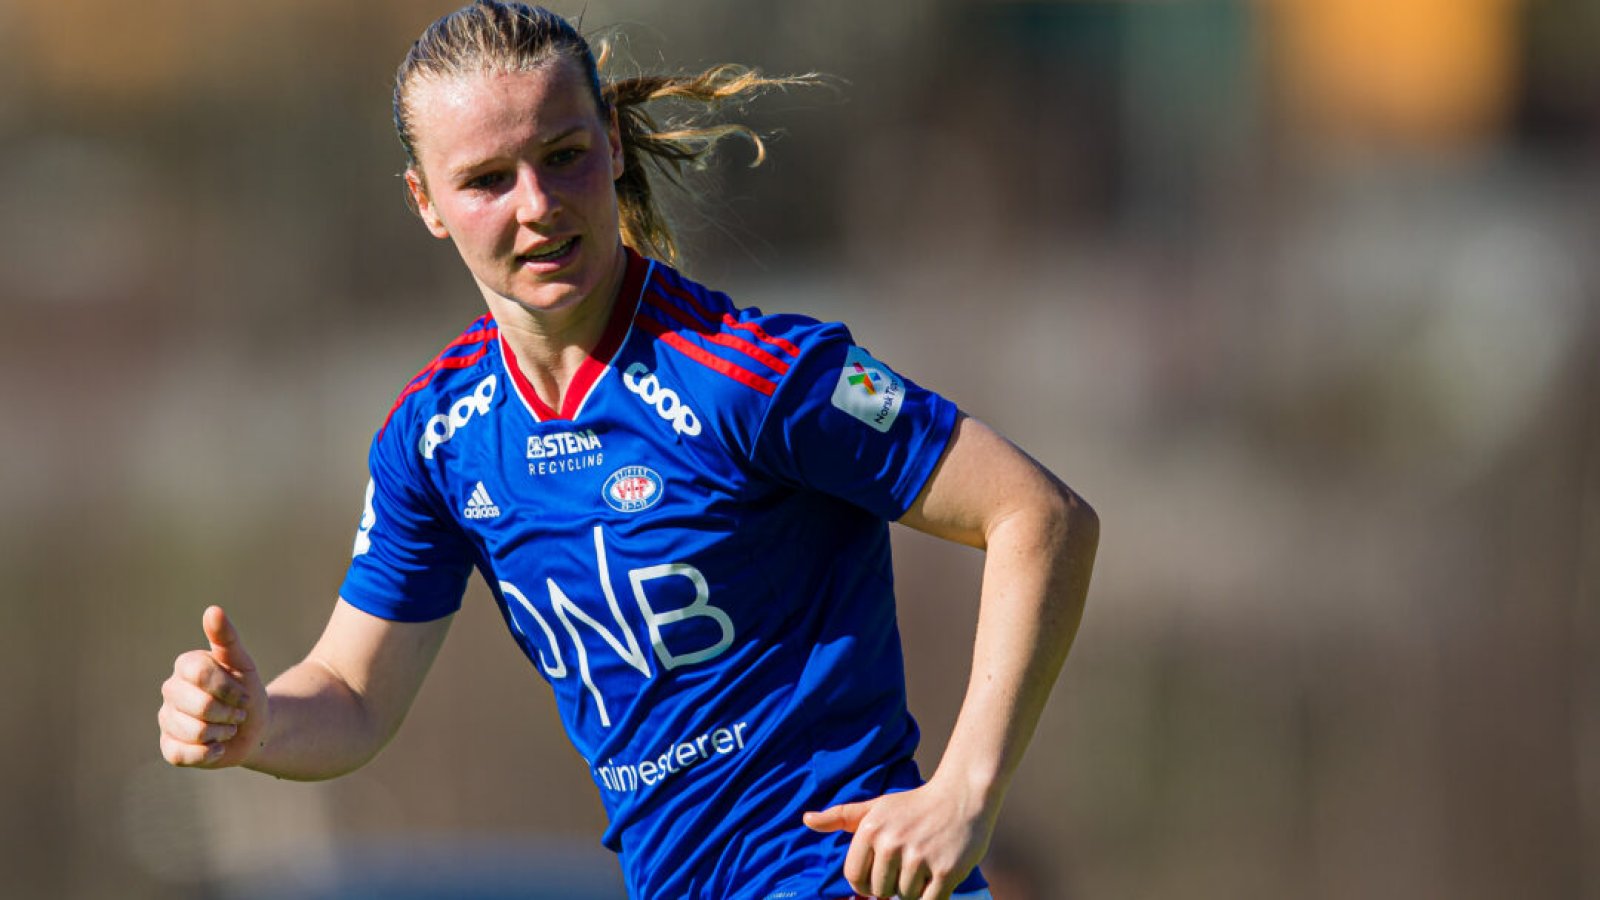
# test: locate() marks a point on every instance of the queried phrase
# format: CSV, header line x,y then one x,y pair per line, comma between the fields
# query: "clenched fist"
x,y
214,707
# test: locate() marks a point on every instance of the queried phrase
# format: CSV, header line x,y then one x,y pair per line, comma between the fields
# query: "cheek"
x,y
476,222
597,182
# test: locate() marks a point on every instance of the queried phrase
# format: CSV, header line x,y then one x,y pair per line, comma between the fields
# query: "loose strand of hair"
x,y
681,145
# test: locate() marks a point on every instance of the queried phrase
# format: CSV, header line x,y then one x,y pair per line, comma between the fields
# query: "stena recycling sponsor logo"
x,y
564,451
667,403
632,489
562,443
444,426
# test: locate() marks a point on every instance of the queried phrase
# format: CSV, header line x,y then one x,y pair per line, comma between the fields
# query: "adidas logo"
x,y
479,506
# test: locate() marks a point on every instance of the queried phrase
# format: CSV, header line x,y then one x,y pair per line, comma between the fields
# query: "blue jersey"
x,y
694,552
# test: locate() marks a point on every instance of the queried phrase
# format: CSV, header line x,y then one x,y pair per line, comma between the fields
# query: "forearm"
x,y
339,706
1036,578
319,726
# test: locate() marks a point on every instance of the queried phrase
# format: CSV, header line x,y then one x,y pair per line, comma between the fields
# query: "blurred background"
x,y
1300,294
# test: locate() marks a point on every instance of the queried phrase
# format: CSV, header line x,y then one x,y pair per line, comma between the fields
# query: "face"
x,y
519,170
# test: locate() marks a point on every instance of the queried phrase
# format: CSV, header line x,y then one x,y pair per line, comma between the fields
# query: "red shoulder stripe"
x,y
728,319
715,363
786,346
716,337
419,381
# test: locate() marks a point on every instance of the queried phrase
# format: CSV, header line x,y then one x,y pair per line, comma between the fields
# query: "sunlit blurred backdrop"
x,y
1301,294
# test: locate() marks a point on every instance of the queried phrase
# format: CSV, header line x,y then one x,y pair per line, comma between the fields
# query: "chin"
x,y
547,297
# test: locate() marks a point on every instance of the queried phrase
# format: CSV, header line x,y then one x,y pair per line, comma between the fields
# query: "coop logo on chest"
x,y
444,426
668,405
631,489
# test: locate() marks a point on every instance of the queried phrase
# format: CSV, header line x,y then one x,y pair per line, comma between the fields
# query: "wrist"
x,y
253,755
982,786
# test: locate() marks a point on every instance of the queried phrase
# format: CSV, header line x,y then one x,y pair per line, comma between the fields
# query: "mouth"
x,y
556,252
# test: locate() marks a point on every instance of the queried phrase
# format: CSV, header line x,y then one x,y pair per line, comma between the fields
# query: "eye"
x,y
565,156
486,181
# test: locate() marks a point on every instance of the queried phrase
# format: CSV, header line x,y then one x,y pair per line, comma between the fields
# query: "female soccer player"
x,y
680,507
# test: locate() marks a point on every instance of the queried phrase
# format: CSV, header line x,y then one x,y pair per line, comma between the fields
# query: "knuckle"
x,y
185,729
193,666
210,709
174,752
175,695
182,730
202,732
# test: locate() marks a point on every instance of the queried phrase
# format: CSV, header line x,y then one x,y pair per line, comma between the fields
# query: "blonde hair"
x,y
495,36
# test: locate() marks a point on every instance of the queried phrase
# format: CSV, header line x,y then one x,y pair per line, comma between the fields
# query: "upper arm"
x,y
845,424
381,662
981,480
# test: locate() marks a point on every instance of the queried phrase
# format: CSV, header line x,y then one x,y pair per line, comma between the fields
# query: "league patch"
x,y
869,390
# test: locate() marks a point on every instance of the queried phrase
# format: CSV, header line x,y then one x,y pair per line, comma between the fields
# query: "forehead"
x,y
457,119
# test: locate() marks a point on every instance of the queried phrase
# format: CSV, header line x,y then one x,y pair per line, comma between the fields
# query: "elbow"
x,y
1072,536
1053,521
1075,536
1083,523
1073,525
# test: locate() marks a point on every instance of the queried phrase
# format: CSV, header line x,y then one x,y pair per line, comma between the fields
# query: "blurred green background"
x,y
1301,294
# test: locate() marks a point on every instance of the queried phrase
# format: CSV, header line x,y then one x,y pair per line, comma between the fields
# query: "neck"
x,y
550,345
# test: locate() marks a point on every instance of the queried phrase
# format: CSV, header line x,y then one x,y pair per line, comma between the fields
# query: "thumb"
x,y
226,647
844,817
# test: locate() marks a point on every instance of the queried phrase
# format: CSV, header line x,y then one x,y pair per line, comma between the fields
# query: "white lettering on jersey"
x,y
700,607
369,518
664,399
713,742
564,451
444,426
626,646
559,670
562,443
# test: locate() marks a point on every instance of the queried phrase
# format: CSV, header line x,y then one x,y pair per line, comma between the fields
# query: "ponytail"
x,y
492,35
680,145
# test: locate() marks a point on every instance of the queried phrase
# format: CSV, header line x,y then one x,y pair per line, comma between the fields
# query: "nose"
x,y
535,202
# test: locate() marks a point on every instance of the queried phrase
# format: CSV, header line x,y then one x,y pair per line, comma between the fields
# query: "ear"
x,y
424,205
614,140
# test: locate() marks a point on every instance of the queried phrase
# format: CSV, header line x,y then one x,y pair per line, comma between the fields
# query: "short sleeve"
x,y
410,563
843,423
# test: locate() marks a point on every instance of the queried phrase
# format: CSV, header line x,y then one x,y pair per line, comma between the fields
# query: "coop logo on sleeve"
x,y
369,518
869,390
632,489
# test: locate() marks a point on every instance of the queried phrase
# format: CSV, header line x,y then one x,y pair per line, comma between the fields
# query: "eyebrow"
x,y
457,172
